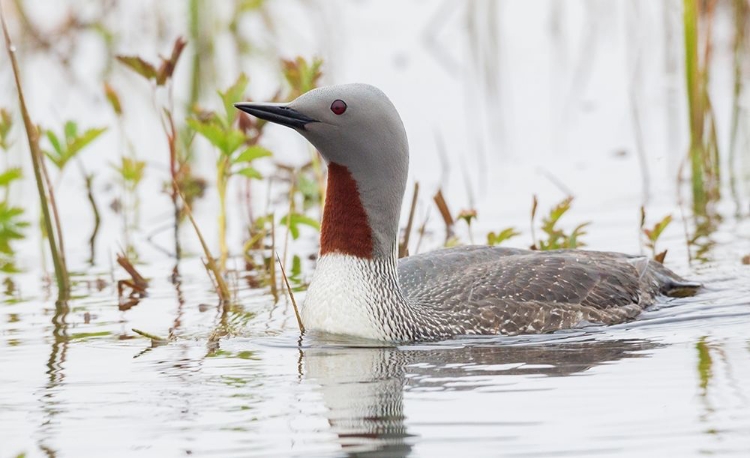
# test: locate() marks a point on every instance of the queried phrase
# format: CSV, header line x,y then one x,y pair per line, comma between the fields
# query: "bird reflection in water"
x,y
363,388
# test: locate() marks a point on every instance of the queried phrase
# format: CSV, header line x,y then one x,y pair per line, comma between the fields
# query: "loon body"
x,y
360,288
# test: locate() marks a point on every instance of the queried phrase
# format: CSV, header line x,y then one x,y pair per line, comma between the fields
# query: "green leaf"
x,y
139,66
58,159
234,139
166,69
6,122
80,142
74,143
301,75
131,171
226,141
252,153
296,220
505,234
250,173
113,98
572,240
557,238
71,131
654,234
232,95
10,175
210,131
11,227
54,141
296,269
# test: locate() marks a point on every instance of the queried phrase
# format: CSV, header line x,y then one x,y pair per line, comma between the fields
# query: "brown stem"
x,y
53,205
404,245
97,217
32,133
291,295
221,286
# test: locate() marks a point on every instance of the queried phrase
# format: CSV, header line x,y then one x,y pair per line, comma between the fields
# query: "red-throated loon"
x,y
360,288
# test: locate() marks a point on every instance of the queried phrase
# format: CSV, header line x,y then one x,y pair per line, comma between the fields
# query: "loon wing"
x,y
487,275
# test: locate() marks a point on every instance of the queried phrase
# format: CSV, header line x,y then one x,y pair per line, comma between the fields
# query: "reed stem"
x,y
32,134
221,186
221,286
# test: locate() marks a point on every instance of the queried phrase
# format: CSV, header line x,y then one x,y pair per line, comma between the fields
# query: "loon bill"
x,y
361,289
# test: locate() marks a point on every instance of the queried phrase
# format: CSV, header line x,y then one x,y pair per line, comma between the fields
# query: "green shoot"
x,y
161,76
72,142
468,216
653,234
131,172
66,147
301,76
11,228
11,224
494,239
113,98
557,238
296,220
236,151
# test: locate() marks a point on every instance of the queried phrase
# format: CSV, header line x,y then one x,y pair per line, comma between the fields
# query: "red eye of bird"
x,y
338,107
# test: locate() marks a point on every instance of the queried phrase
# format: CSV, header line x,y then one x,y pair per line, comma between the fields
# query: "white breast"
x,y
350,295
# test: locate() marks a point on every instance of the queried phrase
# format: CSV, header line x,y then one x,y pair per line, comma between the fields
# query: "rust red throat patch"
x,y
345,227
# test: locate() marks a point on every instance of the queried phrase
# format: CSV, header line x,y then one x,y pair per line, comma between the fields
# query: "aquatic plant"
x,y
741,50
11,228
161,77
301,76
557,238
403,246
468,216
291,296
652,235
6,122
72,143
237,152
130,172
137,284
704,146
10,222
496,238
445,213
44,187
210,264
294,220
64,149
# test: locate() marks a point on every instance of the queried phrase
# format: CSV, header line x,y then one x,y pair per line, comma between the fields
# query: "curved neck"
x,y
345,228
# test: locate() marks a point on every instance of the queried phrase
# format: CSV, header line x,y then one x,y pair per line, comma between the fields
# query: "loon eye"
x,y
338,107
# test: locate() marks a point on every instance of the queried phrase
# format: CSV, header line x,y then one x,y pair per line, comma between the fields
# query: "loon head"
x,y
361,137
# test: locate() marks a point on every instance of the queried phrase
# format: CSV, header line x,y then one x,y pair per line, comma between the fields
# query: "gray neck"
x,y
381,189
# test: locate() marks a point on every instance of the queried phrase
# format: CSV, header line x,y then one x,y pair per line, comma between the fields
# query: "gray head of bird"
x,y
355,126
